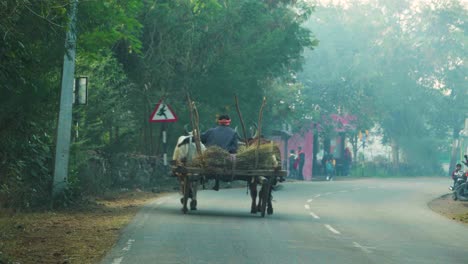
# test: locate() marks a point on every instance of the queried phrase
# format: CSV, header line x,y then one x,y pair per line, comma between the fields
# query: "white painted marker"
x,y
117,260
314,215
365,249
333,230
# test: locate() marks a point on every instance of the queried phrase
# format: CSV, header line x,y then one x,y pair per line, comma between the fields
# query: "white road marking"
x,y
343,191
314,215
327,193
310,200
129,245
307,206
329,227
117,260
318,195
365,249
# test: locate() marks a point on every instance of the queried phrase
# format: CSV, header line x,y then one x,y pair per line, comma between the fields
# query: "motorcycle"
x,y
460,187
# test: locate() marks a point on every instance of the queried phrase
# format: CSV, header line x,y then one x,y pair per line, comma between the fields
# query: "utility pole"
x,y
62,151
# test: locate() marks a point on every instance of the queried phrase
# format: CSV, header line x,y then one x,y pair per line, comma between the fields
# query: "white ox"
x,y
184,152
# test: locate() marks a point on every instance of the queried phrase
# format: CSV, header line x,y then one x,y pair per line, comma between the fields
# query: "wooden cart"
x,y
266,178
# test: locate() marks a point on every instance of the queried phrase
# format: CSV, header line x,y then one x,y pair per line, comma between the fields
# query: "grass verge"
x,y
72,236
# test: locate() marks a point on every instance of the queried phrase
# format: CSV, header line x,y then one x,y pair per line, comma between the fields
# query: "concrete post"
x,y
62,151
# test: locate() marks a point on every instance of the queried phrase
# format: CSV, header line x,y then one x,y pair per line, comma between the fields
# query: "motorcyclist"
x,y
456,174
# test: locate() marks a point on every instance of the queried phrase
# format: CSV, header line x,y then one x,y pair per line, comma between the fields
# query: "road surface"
x,y
344,221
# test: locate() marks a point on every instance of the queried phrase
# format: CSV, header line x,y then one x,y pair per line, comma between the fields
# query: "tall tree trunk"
x,y
326,145
354,142
395,156
117,133
455,147
315,168
111,136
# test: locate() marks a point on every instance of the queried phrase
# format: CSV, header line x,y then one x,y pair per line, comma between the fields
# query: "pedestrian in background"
x,y
330,168
292,162
300,163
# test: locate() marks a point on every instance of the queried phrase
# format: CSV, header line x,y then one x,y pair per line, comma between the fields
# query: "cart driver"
x,y
222,136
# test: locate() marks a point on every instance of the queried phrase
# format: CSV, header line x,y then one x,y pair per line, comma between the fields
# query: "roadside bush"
x,y
26,173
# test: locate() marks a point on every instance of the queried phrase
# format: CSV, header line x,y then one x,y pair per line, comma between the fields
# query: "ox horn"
x,y
254,127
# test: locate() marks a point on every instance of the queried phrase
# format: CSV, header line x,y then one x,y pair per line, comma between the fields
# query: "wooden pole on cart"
x,y
241,120
260,117
194,119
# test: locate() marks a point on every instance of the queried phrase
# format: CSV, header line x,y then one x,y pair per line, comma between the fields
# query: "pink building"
x,y
305,140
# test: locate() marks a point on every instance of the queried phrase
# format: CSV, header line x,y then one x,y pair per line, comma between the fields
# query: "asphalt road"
x,y
344,221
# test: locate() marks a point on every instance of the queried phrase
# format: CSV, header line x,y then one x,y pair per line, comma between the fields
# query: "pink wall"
x,y
306,141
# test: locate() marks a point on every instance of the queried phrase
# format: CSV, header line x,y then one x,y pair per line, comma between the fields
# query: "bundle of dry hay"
x,y
215,157
269,157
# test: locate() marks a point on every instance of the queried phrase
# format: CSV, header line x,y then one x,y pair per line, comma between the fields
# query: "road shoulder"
x,y
446,206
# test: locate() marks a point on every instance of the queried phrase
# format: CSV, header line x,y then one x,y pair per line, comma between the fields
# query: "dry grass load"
x,y
212,157
269,157
215,157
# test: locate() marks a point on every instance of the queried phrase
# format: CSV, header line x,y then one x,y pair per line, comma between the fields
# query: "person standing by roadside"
x,y
330,168
301,161
292,162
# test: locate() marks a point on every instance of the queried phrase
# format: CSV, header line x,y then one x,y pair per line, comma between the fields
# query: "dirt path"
x,y
455,210
69,236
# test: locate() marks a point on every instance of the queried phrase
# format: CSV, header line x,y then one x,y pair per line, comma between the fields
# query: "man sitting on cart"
x,y
222,136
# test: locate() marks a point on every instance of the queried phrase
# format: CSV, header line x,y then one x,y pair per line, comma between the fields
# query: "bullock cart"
x,y
265,178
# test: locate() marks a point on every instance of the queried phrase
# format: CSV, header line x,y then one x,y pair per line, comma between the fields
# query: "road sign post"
x,y
163,113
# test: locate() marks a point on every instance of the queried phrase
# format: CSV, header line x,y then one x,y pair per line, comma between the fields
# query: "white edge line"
x,y
117,260
310,200
307,206
329,227
318,195
314,215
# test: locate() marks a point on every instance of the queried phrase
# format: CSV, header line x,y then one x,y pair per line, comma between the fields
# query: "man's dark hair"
x,y
224,117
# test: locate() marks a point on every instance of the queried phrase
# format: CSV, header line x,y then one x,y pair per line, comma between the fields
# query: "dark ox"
x,y
256,204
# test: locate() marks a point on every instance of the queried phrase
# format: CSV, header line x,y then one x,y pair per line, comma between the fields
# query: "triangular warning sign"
x,y
163,113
